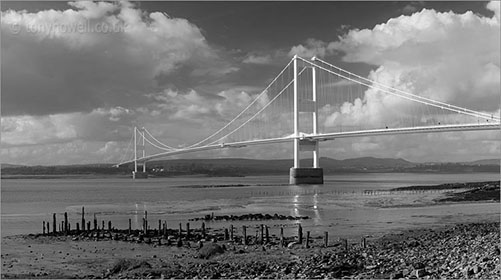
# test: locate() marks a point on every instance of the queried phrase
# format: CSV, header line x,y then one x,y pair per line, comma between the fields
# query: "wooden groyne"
x,y
185,234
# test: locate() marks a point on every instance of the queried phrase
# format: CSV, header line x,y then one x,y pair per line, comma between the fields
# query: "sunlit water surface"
x,y
345,206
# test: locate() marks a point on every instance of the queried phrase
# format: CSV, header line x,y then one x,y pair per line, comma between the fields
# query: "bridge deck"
x,y
327,136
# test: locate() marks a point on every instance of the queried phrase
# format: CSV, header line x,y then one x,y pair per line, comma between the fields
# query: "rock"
x,y
209,250
405,272
292,244
418,265
413,243
397,275
466,271
476,269
420,272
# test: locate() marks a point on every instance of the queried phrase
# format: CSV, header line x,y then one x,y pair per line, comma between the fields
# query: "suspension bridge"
x,y
310,101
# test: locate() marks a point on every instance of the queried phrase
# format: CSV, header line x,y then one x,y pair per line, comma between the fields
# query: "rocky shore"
x,y
249,217
451,186
463,251
457,252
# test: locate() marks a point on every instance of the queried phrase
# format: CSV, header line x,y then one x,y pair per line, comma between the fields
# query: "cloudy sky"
x,y
77,76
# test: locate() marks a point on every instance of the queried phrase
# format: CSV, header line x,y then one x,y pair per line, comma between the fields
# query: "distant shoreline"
x,y
122,176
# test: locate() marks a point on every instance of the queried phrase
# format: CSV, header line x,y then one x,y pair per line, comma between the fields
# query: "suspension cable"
x,y
474,113
160,143
126,151
258,112
241,113
410,94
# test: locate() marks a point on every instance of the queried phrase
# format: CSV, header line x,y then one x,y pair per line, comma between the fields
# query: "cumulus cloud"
x,y
449,57
453,58
192,106
495,6
311,48
97,54
99,125
258,59
76,151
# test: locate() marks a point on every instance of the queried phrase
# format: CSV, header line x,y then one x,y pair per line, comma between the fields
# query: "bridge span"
x,y
311,101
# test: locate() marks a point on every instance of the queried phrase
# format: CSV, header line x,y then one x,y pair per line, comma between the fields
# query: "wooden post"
x,y
69,227
95,222
346,245
78,228
109,226
180,230
88,226
54,223
308,239
226,234
244,233
300,234
267,235
187,230
65,223
102,223
231,232
146,222
262,234
326,239
83,218
130,226
282,237
203,230
364,243
43,227
165,229
159,227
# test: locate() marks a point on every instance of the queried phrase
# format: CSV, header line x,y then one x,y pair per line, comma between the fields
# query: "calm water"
x,y
340,206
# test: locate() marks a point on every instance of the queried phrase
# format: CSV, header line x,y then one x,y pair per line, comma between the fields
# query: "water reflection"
x,y
295,205
306,201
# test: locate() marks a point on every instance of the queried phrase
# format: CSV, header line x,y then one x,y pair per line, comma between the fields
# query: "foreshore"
x,y
456,251
453,252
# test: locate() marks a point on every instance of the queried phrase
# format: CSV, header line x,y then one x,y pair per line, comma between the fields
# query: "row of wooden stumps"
x,y
145,234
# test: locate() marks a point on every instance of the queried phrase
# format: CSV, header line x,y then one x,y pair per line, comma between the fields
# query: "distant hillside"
x,y
280,166
5,165
484,162
246,167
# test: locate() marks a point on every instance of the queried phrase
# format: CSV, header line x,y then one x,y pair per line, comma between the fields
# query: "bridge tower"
x,y
138,148
298,174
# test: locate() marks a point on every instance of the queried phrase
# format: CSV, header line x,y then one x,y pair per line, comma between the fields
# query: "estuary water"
x,y
349,205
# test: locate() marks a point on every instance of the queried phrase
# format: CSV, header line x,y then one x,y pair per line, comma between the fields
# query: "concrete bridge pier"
x,y
139,175
306,175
